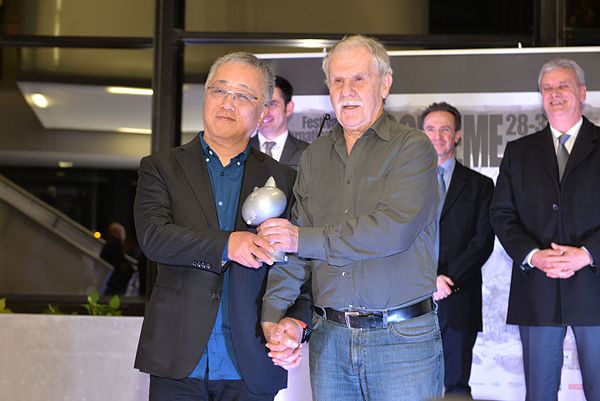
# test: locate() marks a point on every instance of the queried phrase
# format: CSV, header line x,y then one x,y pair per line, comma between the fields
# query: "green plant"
x,y
53,310
3,308
95,308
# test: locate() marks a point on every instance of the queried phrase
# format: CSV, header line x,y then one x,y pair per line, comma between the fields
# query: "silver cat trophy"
x,y
262,204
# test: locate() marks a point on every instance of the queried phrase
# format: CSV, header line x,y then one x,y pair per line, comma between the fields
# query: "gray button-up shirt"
x,y
367,222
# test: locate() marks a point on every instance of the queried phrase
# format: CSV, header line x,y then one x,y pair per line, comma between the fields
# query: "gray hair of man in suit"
x,y
376,49
252,61
562,63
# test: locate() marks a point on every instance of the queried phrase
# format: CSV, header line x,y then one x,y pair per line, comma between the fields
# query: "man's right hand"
x,y
249,249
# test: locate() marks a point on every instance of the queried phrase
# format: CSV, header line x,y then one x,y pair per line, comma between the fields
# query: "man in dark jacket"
x,y
201,337
465,242
545,213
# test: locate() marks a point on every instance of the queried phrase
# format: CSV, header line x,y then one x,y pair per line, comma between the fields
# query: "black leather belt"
x,y
356,319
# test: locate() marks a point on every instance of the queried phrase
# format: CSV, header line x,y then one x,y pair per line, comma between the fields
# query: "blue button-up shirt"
x,y
218,360
448,166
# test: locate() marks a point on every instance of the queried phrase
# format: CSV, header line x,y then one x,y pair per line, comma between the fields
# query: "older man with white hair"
x,y
364,227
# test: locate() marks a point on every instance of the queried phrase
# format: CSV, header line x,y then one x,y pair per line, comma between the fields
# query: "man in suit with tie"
x,y
465,242
545,212
273,137
201,338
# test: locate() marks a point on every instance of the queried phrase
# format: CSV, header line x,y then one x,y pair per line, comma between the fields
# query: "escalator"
x,y
42,251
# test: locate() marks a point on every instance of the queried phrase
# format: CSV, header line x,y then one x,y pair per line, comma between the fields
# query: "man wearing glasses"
x,y
201,338
273,137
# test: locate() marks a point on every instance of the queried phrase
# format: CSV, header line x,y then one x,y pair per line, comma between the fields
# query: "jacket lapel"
x,y
288,150
546,154
586,141
194,168
457,184
256,174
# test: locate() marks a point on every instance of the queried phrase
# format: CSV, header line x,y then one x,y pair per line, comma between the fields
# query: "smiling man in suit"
x,y
545,212
273,137
465,242
201,337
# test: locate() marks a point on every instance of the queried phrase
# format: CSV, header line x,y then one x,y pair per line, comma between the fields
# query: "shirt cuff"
x,y
311,243
530,256
526,265
592,264
272,313
225,257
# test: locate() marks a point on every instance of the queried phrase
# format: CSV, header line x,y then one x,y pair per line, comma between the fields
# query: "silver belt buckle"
x,y
347,315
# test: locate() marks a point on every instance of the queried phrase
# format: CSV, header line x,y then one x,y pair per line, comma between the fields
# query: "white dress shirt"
x,y
277,149
573,131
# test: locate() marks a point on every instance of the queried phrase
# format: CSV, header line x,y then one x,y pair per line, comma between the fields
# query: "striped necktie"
x,y
269,147
562,155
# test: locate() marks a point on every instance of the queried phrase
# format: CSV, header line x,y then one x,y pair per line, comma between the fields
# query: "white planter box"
x,y
70,358
85,358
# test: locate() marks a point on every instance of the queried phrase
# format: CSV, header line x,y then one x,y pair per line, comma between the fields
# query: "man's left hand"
x,y
282,234
444,287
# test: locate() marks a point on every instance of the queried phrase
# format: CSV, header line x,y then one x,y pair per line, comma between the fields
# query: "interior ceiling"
x,y
88,106
94,108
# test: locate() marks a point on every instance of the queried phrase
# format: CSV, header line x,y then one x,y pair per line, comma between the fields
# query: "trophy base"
x,y
279,257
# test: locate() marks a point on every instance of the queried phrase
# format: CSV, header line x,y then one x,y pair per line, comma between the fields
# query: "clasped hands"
x,y
284,342
252,250
560,261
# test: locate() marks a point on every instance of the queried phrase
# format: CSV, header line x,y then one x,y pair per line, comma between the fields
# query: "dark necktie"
x,y
562,154
269,147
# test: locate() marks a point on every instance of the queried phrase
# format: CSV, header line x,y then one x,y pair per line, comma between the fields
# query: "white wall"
x,y
86,358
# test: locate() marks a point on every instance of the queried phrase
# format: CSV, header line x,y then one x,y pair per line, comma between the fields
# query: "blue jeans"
x,y
403,362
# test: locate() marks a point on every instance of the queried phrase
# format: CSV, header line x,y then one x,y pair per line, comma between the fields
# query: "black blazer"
x,y
292,150
177,226
530,209
466,242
